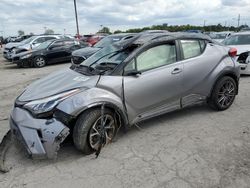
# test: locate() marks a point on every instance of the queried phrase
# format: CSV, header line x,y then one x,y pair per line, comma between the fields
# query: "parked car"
x,y
121,85
21,38
220,36
241,41
80,55
16,47
49,52
94,39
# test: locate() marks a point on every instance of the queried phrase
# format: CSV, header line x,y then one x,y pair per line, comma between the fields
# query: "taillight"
x,y
232,52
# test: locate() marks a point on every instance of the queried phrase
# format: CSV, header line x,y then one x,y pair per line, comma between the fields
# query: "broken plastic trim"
x,y
4,147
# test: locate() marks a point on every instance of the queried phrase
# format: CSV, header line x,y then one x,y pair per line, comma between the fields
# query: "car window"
x,y
237,40
39,40
191,48
58,44
156,57
130,66
69,42
49,38
202,45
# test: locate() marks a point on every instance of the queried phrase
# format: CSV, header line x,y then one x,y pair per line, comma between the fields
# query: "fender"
x,y
92,98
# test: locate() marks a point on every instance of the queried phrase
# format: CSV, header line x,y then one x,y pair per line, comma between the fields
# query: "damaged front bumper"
x,y
41,137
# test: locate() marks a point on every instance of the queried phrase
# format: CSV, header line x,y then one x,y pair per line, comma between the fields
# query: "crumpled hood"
x,y
85,52
241,48
57,82
24,46
12,44
22,54
26,53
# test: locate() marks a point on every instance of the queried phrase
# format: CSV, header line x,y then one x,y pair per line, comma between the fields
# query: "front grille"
x,y
77,59
15,58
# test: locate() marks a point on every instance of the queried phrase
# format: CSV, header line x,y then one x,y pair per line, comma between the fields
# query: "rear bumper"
x,y
40,137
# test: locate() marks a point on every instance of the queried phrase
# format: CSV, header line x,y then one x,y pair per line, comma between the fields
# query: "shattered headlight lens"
x,y
47,104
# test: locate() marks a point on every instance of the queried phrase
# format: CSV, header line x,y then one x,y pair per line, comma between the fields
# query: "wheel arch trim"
x,y
223,74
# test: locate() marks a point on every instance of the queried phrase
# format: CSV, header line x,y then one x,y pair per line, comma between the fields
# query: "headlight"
x,y
25,56
47,104
13,51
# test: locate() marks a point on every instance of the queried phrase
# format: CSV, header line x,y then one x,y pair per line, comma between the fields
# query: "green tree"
x,y
104,30
49,31
117,31
20,32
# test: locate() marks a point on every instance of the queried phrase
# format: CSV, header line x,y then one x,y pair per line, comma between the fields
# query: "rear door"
x,y
158,88
200,58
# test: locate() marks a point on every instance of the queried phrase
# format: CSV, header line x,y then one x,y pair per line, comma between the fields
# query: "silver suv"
x,y
120,85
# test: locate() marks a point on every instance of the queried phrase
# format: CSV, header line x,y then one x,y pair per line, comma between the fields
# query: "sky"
x,y
37,15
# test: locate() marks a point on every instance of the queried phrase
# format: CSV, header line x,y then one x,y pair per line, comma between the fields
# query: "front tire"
x,y
223,94
39,62
86,135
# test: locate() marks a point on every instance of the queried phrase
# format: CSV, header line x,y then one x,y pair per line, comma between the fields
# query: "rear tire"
x,y
39,62
86,129
223,94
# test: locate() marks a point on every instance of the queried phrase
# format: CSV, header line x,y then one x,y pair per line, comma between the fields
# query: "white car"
x,y
220,36
241,41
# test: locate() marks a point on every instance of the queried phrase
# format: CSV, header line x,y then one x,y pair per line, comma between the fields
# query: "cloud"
x,y
34,15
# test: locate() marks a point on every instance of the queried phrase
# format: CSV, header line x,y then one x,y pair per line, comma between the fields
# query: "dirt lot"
x,y
195,147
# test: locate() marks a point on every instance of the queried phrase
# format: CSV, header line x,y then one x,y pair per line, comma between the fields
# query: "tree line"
x,y
175,28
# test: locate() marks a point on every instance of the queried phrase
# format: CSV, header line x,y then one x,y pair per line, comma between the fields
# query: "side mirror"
x,y
132,73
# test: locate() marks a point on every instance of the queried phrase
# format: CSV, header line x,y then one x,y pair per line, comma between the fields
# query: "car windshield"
x,y
219,36
107,41
44,45
28,40
105,60
237,40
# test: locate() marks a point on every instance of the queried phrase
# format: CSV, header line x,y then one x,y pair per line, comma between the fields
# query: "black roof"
x,y
145,37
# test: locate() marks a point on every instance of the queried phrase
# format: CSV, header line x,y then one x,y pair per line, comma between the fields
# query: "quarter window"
x,y
156,57
191,48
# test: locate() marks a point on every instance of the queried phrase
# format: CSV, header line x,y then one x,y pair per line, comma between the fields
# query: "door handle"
x,y
176,71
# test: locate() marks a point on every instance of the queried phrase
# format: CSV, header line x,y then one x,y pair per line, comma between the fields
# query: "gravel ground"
x,y
194,147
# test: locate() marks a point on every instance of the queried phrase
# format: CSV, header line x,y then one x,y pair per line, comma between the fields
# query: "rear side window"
x,y
192,48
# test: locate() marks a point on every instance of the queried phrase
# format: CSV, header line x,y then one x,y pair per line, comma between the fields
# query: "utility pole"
x,y
77,27
239,21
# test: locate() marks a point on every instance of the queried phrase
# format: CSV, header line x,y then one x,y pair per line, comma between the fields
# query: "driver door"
x,y
157,88
56,52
